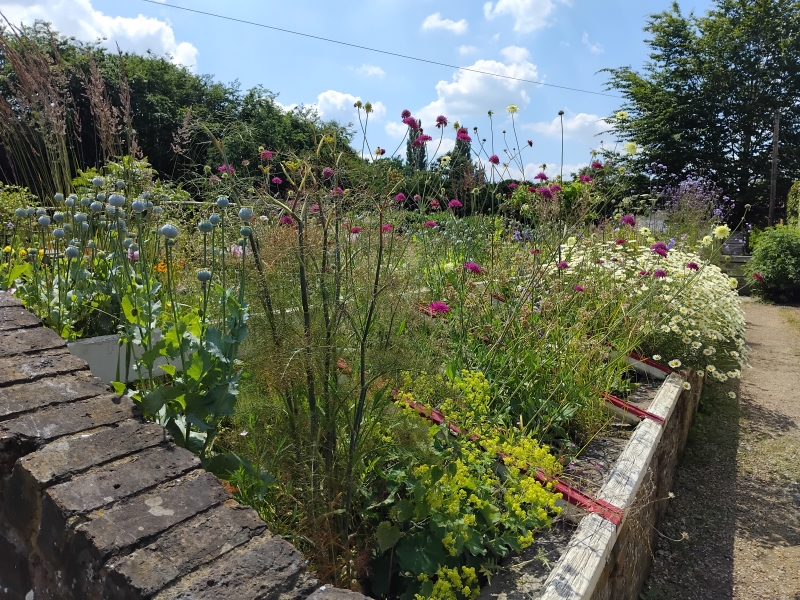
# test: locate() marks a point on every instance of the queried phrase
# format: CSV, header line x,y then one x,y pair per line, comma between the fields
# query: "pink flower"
x,y
578,288
660,251
562,265
555,188
417,197
758,277
597,165
473,268
431,224
417,143
355,229
621,241
286,220
659,273
693,266
494,159
541,177
380,151
439,307
314,209
462,135
337,191
213,179
441,121
387,227
545,191
412,123
327,173
454,204
628,220
405,114
536,251
266,155
435,204
401,197
511,186
225,169
277,180
644,273
236,250
133,255
585,179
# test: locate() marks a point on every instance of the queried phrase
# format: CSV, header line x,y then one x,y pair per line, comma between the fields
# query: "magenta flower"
x,y
405,114
494,159
431,224
555,188
286,220
644,273
355,229
236,250
758,277
401,197
266,155
511,186
628,220
441,121
225,169
536,251
314,209
417,143
337,191
585,179
277,180
660,251
387,227
417,197
439,307
213,179
133,255
545,191
411,122
473,268
621,241
600,261
562,265
659,273
327,173
578,288
454,204
435,204
462,135
693,266
541,177
597,165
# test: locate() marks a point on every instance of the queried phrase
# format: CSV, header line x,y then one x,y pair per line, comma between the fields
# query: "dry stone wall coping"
x,y
96,503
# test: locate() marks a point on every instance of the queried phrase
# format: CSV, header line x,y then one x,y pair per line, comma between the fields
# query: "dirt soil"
x,y
733,529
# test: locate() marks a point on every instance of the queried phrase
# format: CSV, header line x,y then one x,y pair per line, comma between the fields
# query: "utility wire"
x,y
351,45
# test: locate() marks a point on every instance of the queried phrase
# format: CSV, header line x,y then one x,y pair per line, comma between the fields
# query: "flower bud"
x,y
223,202
245,214
59,197
117,200
97,182
204,275
206,226
72,253
169,231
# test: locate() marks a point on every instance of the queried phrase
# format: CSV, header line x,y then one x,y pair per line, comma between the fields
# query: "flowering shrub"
x,y
775,266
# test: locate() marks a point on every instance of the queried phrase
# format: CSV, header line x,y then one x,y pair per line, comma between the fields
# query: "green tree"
x,y
706,100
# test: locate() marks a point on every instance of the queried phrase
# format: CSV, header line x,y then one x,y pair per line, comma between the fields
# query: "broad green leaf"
x,y
387,535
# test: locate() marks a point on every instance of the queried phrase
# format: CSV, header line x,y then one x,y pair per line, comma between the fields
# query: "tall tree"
x,y
706,100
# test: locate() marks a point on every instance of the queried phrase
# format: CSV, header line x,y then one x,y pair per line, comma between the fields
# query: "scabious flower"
x,y
401,197
545,191
758,277
266,155
225,169
337,191
511,186
597,165
530,143
494,159
314,209
286,220
555,188
405,114
692,266
421,139
541,177
355,229
431,224
277,180
562,264
462,135
659,273
441,121
644,273
585,179
417,197
628,220
722,232
327,173
412,123
578,288
435,205
438,307
473,268
387,227
380,151
454,203
621,241
659,248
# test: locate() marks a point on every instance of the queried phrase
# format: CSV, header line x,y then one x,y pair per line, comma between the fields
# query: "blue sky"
x,y
563,42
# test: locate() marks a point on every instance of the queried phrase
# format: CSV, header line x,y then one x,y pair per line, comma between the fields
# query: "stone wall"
x,y
97,503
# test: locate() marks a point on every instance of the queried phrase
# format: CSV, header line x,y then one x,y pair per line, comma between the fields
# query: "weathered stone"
x,y
8,300
25,434
28,341
67,457
181,550
133,520
16,317
264,568
20,369
15,574
327,592
30,396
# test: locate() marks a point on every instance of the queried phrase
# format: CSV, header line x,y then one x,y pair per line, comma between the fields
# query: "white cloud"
x,y
593,48
79,19
285,107
395,129
528,15
370,70
470,94
339,106
462,50
582,127
435,21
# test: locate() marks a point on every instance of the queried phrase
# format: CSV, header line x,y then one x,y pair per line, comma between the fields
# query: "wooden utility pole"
x,y
773,183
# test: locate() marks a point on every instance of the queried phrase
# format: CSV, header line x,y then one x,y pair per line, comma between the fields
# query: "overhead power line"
x,y
379,51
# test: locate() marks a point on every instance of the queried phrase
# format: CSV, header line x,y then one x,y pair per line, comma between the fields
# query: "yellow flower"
x,y
622,115
7,249
23,253
733,283
512,108
630,147
40,253
722,232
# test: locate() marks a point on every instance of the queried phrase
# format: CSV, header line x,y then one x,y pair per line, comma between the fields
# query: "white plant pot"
x,y
104,354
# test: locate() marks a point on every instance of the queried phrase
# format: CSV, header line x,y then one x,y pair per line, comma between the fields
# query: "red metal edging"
x,y
634,410
650,363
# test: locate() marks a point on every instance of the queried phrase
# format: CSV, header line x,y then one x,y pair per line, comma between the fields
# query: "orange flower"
x,y
161,267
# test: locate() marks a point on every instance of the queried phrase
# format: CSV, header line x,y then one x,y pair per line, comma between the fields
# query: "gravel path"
x,y
737,492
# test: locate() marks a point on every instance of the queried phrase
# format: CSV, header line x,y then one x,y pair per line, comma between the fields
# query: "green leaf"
x,y
387,535
402,511
155,400
169,369
119,387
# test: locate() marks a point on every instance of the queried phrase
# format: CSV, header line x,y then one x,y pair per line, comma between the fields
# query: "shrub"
x,y
776,263
793,205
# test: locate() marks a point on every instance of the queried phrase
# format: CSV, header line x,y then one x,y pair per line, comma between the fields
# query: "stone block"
x,y
16,579
181,550
25,397
16,317
29,341
327,592
9,301
265,567
67,457
132,521
22,369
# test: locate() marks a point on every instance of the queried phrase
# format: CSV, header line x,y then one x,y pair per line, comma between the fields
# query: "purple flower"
x,y
628,220
541,177
435,205
441,121
473,268
494,159
439,307
671,244
411,122
600,261
597,165
327,173
266,155
585,179
387,227
693,266
530,143
454,204
286,220
401,197
213,179
314,209
405,114
417,197
511,186
337,191
431,224
644,273
660,251
659,273
421,139
562,265
555,188
277,180
545,191
578,288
